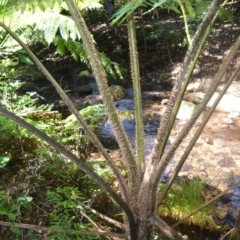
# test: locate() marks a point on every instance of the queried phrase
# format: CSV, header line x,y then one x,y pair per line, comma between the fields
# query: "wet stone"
x,y
235,150
227,162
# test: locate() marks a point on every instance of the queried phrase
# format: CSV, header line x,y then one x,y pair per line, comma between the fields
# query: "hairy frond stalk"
x,y
137,92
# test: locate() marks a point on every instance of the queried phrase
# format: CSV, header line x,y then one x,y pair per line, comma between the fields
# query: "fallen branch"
x,y
48,229
107,219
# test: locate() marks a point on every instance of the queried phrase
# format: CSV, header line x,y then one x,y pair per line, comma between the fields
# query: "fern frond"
x,y
63,26
74,34
71,48
122,14
60,44
164,4
28,5
202,7
50,22
226,15
107,64
77,51
118,69
50,28
81,52
188,8
89,4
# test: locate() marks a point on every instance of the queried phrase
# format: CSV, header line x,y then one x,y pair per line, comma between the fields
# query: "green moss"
x,y
97,114
92,114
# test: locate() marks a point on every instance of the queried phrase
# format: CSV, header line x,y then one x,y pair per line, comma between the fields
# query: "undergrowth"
x,y
184,198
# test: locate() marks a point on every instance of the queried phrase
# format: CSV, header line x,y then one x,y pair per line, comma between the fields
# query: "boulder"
x,y
186,110
83,77
83,90
117,92
229,103
27,87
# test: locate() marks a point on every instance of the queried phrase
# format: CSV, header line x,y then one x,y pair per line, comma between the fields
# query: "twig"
x,y
110,220
42,228
236,226
221,238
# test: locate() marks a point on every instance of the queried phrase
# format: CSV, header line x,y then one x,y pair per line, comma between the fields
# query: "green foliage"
x,y
126,10
67,214
75,48
8,130
4,159
95,114
164,4
13,206
112,68
226,15
51,22
8,93
92,114
167,31
183,199
45,24
32,5
24,58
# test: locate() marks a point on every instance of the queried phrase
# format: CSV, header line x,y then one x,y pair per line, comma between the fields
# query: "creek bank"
x,y
215,157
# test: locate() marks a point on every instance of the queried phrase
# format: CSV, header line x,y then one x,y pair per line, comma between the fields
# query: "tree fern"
x,y
50,26
30,5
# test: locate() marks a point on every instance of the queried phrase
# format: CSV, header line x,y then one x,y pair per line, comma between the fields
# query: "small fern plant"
x,y
184,198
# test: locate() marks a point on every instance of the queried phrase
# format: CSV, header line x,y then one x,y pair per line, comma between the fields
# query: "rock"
x,y
117,91
229,103
108,140
196,71
113,81
233,115
186,110
83,77
82,90
227,120
195,86
27,87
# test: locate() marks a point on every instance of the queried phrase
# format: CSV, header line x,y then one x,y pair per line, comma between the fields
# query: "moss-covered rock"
x,y
83,77
117,92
